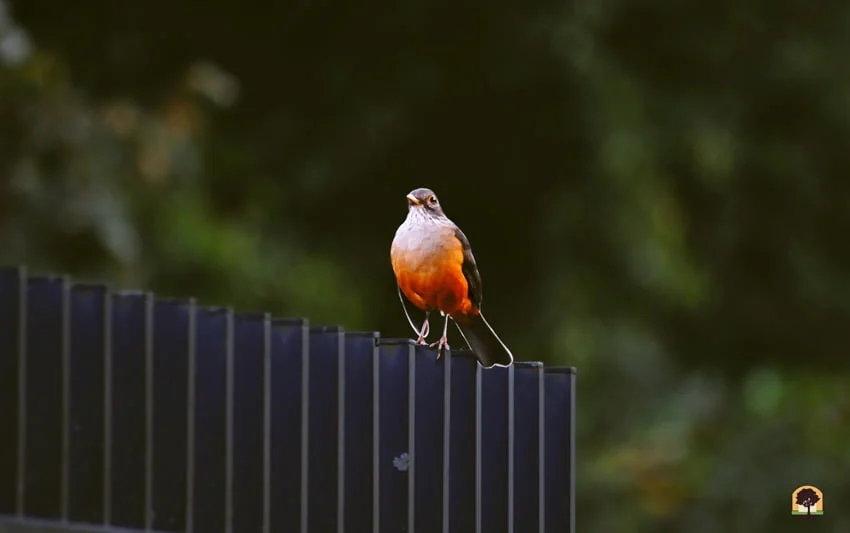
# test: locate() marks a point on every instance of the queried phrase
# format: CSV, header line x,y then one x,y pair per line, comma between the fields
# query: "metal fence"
x,y
130,411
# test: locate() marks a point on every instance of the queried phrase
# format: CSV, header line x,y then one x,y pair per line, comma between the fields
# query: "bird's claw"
x,y
442,345
426,329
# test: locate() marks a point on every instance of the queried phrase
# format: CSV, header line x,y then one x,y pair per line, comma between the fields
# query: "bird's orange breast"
x,y
431,277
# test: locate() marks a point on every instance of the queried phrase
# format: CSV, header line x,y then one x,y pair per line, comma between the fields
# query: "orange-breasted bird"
x,y
435,269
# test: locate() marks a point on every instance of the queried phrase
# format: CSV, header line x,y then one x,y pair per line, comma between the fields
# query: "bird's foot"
x,y
426,329
442,345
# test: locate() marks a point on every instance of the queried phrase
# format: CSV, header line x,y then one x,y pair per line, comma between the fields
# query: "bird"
x,y
436,271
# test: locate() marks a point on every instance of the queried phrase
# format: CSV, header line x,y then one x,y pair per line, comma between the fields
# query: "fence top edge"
x,y
129,293
290,321
89,286
455,354
174,300
424,349
358,334
561,370
251,316
395,341
528,364
214,309
326,329
49,278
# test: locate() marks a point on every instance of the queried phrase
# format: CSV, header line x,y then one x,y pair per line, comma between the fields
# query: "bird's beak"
x,y
412,200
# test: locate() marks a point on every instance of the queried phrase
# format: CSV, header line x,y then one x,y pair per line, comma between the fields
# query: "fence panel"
x,y
427,451
361,352
173,341
89,337
13,300
492,430
288,387
527,386
213,356
392,462
128,464
462,447
326,371
250,353
44,401
559,386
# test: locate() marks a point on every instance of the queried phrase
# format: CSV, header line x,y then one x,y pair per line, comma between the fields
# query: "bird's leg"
x,y
442,344
424,331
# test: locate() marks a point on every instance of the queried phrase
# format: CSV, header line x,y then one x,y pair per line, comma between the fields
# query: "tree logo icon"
x,y
807,501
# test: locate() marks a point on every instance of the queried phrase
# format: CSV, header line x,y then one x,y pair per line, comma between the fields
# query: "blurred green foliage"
x,y
656,192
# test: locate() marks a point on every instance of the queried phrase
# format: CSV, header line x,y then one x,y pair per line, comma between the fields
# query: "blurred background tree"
x,y
656,193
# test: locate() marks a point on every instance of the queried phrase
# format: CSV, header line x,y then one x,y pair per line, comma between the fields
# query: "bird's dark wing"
x,y
470,270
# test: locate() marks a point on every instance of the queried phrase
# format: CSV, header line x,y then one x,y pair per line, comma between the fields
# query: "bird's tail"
x,y
483,341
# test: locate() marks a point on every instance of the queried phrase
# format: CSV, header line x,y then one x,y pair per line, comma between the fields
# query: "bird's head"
x,y
425,200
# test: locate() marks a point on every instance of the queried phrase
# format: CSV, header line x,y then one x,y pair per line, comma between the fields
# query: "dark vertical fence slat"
x,y
494,450
13,299
249,358
393,446
267,411
289,350
559,387
376,439
360,352
131,343
429,395
340,435
212,336
446,445
462,454
511,445
326,350
173,320
44,397
228,424
541,453
411,440
526,451
89,308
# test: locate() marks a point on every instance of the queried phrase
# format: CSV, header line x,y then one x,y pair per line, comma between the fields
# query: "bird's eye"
x,y
432,200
